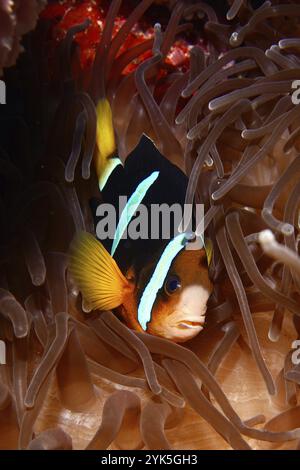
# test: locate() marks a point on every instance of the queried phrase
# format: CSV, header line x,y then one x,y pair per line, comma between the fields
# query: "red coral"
x,y
68,13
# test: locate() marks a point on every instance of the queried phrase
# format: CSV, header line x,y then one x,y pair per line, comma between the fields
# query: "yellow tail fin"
x,y
105,157
98,276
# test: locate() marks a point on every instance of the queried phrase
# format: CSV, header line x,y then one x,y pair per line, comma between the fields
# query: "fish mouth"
x,y
188,324
185,320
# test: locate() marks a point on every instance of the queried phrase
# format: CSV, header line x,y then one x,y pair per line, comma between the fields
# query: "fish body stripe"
x,y
132,205
157,279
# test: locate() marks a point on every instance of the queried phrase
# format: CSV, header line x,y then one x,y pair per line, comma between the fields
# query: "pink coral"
x,y
17,17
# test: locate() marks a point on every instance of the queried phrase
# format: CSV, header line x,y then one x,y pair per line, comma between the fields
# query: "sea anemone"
x,y
83,380
16,19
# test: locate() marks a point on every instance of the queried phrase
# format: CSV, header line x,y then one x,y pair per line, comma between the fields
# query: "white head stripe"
x,y
158,278
129,210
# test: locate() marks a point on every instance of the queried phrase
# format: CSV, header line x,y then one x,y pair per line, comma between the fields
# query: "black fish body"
x,y
155,283
169,188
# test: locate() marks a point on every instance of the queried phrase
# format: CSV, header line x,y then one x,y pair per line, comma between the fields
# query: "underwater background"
x,y
213,91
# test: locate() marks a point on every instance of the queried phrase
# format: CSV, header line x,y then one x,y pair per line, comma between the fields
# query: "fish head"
x,y
178,313
167,299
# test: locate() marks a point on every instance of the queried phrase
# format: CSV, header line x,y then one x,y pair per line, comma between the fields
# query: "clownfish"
x,y
156,284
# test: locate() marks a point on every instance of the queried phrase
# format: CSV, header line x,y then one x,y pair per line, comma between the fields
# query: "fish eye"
x,y
172,284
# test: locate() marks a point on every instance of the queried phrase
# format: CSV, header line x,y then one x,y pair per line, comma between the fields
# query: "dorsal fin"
x,y
106,159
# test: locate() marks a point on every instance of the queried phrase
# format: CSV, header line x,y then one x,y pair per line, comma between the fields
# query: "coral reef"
x,y
82,379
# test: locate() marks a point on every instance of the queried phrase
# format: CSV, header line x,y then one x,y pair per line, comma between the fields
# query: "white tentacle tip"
x,y
266,237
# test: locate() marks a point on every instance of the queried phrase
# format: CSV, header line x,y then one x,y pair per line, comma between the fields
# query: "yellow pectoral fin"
x,y
98,276
209,250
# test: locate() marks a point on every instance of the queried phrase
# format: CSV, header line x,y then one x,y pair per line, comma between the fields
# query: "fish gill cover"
x,y
224,114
